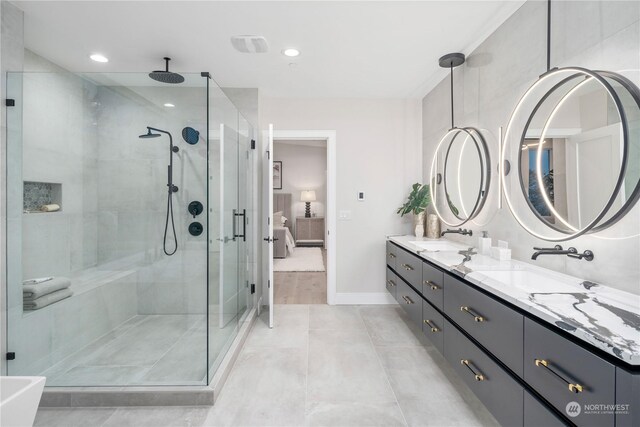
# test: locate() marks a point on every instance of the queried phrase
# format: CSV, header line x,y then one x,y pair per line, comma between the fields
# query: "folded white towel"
x,y
47,299
31,292
50,208
36,281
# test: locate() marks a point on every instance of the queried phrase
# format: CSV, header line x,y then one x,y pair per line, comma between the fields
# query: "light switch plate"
x,y
344,215
360,196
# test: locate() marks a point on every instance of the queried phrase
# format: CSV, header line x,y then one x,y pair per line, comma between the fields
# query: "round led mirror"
x,y
460,176
575,140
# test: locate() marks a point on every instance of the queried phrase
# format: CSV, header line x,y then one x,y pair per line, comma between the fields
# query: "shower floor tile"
x,y
145,350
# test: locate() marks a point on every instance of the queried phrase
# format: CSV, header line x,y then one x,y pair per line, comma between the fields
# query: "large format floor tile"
x,y
319,366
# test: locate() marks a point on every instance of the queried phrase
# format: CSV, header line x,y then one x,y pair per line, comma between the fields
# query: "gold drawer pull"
x,y
391,283
431,325
478,376
407,267
469,311
432,285
408,300
573,388
392,255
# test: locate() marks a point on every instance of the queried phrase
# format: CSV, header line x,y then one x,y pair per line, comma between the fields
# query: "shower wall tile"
x,y
599,35
46,245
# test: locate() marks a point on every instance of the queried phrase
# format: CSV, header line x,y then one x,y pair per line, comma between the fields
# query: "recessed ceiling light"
x,y
169,105
99,58
291,52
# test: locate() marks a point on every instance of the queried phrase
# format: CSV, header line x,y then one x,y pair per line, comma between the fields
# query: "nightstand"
x,y
310,231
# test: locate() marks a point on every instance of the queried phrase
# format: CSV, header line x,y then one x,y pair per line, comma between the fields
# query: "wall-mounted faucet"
x,y
557,250
464,232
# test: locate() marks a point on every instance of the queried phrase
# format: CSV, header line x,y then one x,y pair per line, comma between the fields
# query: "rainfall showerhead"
x,y
149,134
166,76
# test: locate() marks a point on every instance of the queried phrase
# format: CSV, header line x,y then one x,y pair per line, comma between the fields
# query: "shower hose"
x,y
166,223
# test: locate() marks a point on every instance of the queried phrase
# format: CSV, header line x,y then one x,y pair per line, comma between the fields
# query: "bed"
x,y
285,243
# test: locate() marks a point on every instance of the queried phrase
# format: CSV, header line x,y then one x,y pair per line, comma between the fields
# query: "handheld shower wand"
x,y
170,189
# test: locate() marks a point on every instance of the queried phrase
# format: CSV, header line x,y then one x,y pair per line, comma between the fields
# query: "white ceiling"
x,y
386,49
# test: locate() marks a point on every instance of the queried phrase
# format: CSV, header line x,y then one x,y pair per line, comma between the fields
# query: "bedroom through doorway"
x,y
299,207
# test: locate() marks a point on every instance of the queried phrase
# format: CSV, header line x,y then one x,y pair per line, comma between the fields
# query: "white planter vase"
x,y
419,224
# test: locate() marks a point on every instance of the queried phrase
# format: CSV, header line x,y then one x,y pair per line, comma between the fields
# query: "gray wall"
x,y
597,35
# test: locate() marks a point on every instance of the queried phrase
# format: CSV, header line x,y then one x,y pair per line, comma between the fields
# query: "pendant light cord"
x,y
548,35
451,79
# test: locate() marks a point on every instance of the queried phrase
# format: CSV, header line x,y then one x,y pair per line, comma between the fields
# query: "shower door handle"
x,y
244,224
233,220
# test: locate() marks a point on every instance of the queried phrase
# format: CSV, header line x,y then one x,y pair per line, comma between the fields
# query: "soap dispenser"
x,y
484,244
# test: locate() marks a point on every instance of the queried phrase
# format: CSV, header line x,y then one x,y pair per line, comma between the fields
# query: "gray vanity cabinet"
x,y
494,325
433,325
433,285
392,282
500,393
391,255
410,301
538,415
409,267
627,393
563,373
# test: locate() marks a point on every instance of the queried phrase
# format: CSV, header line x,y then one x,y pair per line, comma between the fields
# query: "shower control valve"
x,y
195,208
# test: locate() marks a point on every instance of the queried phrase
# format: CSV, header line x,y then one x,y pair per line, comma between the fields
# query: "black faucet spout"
x,y
461,231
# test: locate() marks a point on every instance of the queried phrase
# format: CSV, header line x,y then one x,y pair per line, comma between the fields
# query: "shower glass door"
x,y
92,298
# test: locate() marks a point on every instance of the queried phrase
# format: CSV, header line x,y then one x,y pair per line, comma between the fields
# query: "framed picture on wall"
x,y
277,175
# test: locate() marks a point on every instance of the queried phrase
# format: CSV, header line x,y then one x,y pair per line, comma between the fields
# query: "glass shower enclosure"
x,y
128,257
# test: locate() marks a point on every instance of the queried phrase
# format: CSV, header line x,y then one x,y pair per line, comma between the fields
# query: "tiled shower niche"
x,y
38,194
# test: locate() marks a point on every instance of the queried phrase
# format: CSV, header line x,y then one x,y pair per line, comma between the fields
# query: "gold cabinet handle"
x,y
407,267
573,387
391,283
478,376
470,312
392,255
407,300
431,325
432,285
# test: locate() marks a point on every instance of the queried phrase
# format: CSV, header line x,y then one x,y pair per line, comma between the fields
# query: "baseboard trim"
x,y
363,298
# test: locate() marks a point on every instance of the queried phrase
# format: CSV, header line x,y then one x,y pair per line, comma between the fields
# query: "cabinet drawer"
x,y
627,393
500,393
433,325
410,301
433,285
410,268
563,372
391,255
536,414
494,325
392,282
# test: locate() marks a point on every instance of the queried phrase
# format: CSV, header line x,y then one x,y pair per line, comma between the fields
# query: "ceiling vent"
x,y
250,44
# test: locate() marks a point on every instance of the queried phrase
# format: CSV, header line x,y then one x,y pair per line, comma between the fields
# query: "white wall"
x,y
378,152
602,35
304,167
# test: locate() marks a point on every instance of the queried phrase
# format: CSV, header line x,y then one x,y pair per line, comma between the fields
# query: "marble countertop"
x,y
600,315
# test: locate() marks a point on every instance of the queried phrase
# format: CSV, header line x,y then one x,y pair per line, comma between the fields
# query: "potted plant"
x,y
417,203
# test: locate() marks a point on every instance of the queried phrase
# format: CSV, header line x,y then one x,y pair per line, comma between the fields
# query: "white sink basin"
x,y
438,245
531,282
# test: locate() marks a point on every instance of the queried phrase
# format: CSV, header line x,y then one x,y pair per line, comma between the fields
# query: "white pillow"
x,y
284,220
277,217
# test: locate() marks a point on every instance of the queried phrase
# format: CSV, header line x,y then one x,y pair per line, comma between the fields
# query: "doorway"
x,y
299,209
328,138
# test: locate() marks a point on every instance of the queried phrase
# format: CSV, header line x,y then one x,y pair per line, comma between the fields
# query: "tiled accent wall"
x,y
37,194
601,35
